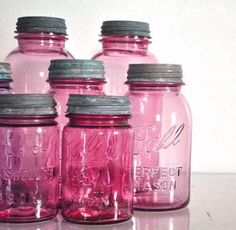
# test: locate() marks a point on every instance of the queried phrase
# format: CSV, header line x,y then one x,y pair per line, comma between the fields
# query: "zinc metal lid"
x,y
76,68
38,24
27,104
166,73
132,28
5,71
94,104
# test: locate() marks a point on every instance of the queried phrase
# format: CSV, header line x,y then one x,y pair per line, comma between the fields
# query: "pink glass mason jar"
x,y
97,183
40,39
5,78
73,77
161,120
124,42
28,158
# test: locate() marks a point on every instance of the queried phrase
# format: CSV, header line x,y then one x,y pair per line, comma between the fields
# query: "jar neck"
x,y
98,120
134,44
155,87
41,41
77,84
27,120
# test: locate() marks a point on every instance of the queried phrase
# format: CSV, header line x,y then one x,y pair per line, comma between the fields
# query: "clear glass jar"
x,y
5,78
161,120
124,43
29,161
40,39
73,77
97,183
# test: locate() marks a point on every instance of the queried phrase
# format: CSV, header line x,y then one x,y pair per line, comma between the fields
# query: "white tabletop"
x,y
212,207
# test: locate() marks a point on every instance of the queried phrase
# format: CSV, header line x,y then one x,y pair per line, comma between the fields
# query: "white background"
x,y
199,34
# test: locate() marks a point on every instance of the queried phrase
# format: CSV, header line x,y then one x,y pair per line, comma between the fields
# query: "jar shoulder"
x,y
91,128
131,57
15,51
98,55
17,129
47,54
161,106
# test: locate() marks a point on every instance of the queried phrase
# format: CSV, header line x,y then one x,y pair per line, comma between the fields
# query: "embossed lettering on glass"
x,y
162,126
97,160
73,77
29,158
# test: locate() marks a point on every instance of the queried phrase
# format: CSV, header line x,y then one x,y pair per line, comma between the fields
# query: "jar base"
x,y
26,215
103,217
96,222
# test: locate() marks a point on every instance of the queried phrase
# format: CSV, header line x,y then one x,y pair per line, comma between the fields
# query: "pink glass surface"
x,y
174,220
118,52
162,126
31,59
29,168
97,169
61,89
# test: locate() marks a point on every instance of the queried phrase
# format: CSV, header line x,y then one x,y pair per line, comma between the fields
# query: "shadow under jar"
x,y
97,185
161,120
28,158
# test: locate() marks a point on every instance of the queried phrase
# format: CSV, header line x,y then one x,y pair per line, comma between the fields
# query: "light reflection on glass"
x,y
42,225
172,220
169,220
128,225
